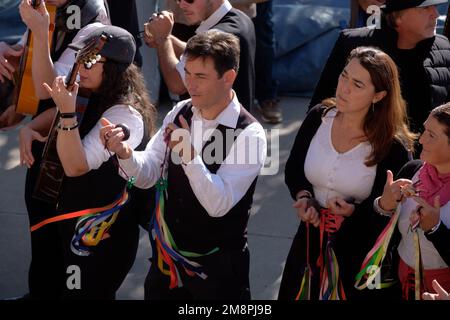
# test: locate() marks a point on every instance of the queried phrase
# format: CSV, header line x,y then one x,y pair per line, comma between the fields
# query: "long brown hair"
x,y
387,119
123,84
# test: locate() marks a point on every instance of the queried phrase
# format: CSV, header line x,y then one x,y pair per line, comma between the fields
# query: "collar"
x,y
214,19
228,117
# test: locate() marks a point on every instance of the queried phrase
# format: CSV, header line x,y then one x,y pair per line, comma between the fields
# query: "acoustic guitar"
x,y
24,96
51,172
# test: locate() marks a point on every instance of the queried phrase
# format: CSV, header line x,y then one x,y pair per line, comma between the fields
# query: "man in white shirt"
x,y
208,14
211,176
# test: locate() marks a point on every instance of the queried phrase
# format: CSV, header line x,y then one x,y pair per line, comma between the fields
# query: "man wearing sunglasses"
x,y
208,14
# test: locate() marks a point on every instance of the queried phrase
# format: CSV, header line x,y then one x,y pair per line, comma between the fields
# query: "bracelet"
x,y
377,208
305,194
68,115
432,230
74,126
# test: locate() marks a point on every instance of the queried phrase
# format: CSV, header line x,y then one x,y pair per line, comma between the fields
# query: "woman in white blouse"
x,y
336,167
424,220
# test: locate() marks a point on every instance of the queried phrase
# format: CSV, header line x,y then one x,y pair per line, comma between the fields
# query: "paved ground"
x,y
271,226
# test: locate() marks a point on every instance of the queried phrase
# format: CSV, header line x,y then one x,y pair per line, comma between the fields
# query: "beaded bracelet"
x,y
377,208
74,126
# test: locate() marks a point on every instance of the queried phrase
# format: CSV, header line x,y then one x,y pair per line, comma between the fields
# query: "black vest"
x,y
192,228
239,24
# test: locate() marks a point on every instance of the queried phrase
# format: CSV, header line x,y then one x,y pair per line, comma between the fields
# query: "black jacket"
x,y
424,70
237,23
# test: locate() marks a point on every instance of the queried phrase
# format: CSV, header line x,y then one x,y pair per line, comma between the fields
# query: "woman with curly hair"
x,y
100,246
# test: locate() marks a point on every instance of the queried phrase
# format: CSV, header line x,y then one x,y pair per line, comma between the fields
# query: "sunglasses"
x,y
88,65
187,1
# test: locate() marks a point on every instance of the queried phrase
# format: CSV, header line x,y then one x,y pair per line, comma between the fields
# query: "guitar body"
x,y
51,174
24,95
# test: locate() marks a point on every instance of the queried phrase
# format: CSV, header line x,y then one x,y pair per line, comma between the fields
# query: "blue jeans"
x,y
265,85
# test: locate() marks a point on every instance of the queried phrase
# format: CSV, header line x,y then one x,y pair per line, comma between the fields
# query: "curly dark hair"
x,y
124,84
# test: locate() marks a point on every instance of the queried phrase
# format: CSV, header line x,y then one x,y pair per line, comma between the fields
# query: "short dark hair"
x,y
391,18
442,115
221,46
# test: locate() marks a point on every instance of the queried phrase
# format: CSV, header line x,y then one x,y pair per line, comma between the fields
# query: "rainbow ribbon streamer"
x,y
331,287
93,227
305,286
371,265
164,245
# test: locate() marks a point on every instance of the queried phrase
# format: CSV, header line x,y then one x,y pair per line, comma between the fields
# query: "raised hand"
x,y
392,192
113,137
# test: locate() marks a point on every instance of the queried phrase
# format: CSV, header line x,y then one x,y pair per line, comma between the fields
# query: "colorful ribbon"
x,y
331,287
371,265
92,228
305,286
164,245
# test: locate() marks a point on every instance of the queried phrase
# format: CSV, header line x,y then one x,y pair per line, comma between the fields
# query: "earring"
x,y
373,107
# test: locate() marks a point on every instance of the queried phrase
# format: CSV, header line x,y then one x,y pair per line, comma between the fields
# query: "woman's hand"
x,y
340,207
37,20
26,138
392,192
306,212
112,139
8,55
428,216
64,100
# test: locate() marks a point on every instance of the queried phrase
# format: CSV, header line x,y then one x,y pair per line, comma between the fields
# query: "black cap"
x,y
121,46
397,5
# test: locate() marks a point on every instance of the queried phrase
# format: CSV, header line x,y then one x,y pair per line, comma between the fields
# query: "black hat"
x,y
121,46
397,5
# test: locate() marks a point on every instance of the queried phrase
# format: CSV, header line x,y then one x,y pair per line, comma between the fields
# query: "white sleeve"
x,y
23,39
180,67
96,153
145,165
219,193
67,58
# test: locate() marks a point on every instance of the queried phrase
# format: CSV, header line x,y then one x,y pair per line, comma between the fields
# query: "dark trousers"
x,y
265,85
228,278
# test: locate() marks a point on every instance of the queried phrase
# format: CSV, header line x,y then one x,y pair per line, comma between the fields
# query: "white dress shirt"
x,y
95,151
218,193
335,174
205,25
430,256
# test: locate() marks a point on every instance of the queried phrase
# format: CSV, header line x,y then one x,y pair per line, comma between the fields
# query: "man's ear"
x,y
229,76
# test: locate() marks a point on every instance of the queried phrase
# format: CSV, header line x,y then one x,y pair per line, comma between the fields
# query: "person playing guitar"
x,y
47,63
51,60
